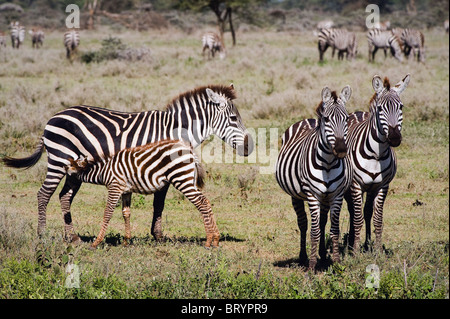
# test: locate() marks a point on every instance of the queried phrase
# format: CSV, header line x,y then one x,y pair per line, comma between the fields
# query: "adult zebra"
x,y
71,42
99,133
339,39
17,34
146,169
312,166
371,138
378,39
414,39
213,43
37,37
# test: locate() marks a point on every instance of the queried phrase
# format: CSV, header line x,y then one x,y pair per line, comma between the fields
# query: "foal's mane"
x,y
226,91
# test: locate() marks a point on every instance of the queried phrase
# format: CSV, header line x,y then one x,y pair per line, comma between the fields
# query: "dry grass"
x,y
278,81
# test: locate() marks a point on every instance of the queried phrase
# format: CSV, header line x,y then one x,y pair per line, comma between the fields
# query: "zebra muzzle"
x,y
340,148
394,136
247,148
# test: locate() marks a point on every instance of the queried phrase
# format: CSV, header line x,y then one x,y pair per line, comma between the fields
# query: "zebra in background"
x,y
37,37
99,133
213,43
414,39
312,166
446,26
378,39
145,170
340,39
371,138
17,34
71,42
2,39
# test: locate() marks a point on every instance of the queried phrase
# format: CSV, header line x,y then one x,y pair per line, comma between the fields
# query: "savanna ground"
x,y
278,81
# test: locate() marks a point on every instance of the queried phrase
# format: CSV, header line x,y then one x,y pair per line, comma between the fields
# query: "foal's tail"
x,y
25,162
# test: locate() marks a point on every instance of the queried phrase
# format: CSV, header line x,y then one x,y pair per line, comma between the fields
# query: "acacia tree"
x,y
223,9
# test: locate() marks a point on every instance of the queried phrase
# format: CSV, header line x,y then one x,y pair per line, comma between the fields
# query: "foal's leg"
x,y
114,193
126,213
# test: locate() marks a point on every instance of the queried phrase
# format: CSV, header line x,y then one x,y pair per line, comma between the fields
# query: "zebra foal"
x,y
37,37
371,138
145,170
312,166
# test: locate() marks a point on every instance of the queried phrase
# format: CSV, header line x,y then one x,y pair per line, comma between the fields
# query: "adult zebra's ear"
x,y
346,93
213,96
401,86
326,94
377,84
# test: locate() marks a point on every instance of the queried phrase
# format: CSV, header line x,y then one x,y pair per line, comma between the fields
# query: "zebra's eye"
x,y
326,119
233,118
401,106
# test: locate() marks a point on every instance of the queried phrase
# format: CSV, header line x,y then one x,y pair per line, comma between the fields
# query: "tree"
x,y
223,9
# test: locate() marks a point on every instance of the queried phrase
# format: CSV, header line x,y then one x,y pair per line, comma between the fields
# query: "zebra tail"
x,y
25,162
200,172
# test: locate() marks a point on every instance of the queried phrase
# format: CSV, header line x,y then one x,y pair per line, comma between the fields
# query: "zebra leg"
x,y
314,209
70,189
334,216
43,196
114,193
368,212
356,218
323,223
378,205
126,213
204,207
158,207
302,221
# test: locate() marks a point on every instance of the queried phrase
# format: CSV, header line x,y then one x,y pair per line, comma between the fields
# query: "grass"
x,y
278,81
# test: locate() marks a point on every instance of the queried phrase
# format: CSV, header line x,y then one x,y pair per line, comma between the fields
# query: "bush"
x,y
113,48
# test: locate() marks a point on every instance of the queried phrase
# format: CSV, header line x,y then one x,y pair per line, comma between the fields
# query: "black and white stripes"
x,y
338,39
385,40
71,42
312,166
17,34
372,136
146,170
100,133
212,42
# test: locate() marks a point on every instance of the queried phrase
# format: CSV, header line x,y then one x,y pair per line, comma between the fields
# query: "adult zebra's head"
x,y
333,118
227,122
388,107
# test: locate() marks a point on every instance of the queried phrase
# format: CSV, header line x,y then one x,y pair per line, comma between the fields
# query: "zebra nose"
x,y
247,148
340,148
394,136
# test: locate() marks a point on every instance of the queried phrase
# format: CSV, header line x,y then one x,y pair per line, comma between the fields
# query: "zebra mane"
x,y
227,91
386,84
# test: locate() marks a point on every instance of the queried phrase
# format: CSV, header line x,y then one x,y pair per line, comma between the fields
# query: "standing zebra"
x,y
71,42
414,39
378,39
340,39
212,42
312,166
2,39
446,25
145,170
100,133
37,37
17,34
371,138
